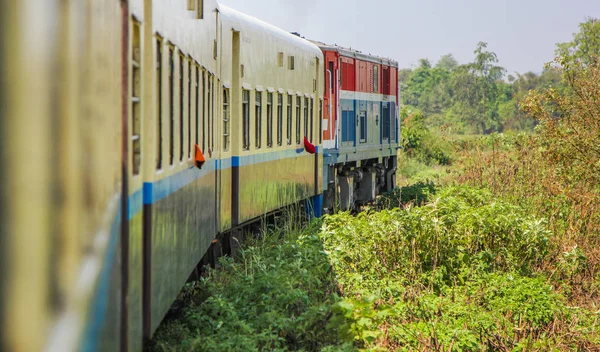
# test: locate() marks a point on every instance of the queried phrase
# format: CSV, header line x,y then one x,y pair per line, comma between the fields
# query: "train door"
x,y
363,111
374,111
385,122
385,112
374,122
139,153
330,100
224,199
230,205
362,122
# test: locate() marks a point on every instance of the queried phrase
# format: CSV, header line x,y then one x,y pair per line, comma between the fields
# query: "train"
x,y
137,137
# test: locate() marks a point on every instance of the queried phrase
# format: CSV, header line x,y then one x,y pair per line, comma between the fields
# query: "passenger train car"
x,y
137,137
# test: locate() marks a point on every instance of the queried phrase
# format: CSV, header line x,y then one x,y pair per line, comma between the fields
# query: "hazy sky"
x,y
523,33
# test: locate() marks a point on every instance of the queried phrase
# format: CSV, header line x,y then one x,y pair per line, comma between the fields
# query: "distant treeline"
x,y
479,96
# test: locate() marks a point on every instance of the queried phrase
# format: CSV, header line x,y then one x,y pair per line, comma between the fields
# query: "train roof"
x,y
245,21
349,52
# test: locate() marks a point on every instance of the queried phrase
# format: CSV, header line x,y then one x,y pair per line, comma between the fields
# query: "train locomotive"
x,y
137,137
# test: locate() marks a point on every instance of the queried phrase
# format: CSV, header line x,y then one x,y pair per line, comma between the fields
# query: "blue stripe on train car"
x,y
155,191
91,335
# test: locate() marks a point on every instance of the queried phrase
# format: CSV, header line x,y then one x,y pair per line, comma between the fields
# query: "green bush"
x,y
454,270
420,143
462,272
277,296
417,194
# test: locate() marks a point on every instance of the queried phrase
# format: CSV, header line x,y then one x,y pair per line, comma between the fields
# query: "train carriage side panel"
x,y
268,171
63,182
179,200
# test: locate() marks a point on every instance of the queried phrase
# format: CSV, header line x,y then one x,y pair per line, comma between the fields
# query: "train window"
x,y
171,103
280,59
210,111
246,118
269,120
320,121
196,102
181,93
289,119
191,5
279,119
189,111
211,120
385,121
200,9
312,117
204,110
298,112
306,117
375,79
363,127
258,120
291,62
225,119
159,126
136,87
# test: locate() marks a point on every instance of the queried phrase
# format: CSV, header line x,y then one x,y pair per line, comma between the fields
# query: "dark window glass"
x,y
159,104
181,108
298,118
269,120
290,99
258,120
171,105
279,119
197,103
246,118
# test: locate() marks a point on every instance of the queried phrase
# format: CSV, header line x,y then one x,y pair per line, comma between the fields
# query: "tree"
x,y
570,122
487,74
447,62
424,63
404,75
585,46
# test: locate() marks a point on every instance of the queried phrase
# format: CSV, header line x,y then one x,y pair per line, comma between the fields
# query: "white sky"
x,y
523,33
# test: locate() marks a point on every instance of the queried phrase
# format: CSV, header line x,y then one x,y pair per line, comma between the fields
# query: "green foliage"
x,y
416,194
277,296
473,97
585,46
554,173
459,273
420,143
570,122
447,62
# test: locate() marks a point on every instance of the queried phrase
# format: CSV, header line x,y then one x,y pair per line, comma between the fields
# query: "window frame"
x,y
171,103
245,119
257,119
181,106
159,97
269,120
290,118
136,96
298,118
226,119
279,119
306,122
